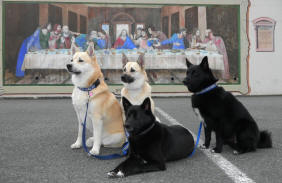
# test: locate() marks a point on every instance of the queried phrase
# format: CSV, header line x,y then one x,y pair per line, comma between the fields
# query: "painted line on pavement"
x,y
233,172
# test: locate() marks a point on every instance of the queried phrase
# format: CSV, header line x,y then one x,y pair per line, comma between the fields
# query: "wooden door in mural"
x,y
191,19
83,24
72,21
174,23
165,25
55,14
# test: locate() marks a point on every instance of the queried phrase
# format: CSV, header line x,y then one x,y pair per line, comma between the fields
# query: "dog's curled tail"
x,y
265,140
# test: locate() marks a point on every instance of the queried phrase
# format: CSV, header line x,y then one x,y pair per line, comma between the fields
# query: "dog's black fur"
x,y
223,113
151,143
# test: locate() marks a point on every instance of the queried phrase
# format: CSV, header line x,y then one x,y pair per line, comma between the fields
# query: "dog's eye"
x,y
132,70
71,60
124,69
80,60
193,73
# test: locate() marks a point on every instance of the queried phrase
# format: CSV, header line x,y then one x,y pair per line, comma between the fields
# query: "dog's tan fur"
x,y
104,110
140,89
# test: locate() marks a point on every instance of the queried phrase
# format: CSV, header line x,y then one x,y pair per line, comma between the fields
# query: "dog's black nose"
x,y
123,77
128,127
69,66
185,81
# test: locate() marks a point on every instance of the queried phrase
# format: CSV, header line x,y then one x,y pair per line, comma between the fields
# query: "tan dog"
x,y
104,110
134,78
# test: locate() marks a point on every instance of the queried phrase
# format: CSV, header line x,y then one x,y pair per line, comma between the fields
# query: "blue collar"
x,y
93,86
205,90
144,132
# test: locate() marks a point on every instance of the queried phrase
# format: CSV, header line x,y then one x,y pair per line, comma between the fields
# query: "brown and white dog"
x,y
134,79
104,110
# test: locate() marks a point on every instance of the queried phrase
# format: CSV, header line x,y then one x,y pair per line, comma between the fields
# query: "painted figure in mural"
x,y
44,38
194,38
108,40
83,40
93,37
45,35
101,40
218,42
155,37
124,41
143,40
55,36
177,40
136,36
32,43
65,39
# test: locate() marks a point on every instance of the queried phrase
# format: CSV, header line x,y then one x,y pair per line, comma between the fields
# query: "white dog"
x,y
104,110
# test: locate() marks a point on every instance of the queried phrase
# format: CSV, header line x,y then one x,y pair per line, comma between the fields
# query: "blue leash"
x,y
101,157
198,139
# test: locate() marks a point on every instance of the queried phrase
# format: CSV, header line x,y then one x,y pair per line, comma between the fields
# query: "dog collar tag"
x,y
90,94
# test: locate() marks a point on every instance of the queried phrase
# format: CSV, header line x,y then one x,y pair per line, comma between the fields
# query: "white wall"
x,y
265,68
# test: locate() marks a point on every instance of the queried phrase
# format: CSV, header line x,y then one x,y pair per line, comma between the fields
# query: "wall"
x,y
265,68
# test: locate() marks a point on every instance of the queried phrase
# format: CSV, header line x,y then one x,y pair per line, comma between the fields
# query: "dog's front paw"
x,y
203,146
89,142
235,152
94,151
215,150
114,174
76,145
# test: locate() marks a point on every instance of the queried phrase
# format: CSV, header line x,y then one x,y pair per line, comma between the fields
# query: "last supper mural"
x,y
38,38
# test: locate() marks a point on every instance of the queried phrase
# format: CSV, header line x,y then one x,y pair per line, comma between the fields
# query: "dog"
x,y
151,143
223,113
104,109
134,79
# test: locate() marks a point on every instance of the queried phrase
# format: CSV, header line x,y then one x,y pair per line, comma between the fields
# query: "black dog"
x,y
223,113
151,143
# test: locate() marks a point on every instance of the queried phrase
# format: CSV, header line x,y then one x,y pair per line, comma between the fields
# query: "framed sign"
x,y
36,39
264,33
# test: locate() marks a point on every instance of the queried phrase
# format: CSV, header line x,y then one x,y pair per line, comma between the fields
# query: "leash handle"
x,y
198,139
105,157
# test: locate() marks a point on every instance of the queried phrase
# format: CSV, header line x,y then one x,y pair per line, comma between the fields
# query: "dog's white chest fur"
x,y
79,98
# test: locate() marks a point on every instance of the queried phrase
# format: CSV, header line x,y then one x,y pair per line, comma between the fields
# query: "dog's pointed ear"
x,y
126,104
141,61
90,50
146,104
205,64
124,59
74,48
188,63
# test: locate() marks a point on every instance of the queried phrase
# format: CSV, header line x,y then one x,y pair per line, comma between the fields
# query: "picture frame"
x,y
240,78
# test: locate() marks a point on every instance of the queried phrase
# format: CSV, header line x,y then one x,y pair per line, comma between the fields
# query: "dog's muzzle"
x,y
127,78
185,81
71,70
128,127
69,67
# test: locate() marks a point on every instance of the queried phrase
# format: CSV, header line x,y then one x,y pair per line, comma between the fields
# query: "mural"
x,y
38,38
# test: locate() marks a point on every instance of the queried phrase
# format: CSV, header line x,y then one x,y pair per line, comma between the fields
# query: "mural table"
x,y
166,66
165,59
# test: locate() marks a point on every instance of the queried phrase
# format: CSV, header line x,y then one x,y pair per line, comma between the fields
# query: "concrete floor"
x,y
35,138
